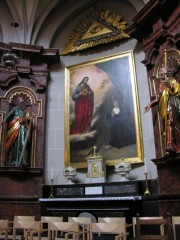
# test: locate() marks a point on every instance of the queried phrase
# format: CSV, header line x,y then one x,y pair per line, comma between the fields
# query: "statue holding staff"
x,y
168,102
18,134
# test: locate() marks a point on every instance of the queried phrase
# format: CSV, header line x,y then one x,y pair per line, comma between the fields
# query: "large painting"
x,y
102,111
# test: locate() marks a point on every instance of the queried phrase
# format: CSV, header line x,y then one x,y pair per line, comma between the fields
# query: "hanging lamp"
x,y
9,58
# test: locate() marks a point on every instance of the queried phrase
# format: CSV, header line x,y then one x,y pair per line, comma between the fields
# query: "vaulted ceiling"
x,y
41,21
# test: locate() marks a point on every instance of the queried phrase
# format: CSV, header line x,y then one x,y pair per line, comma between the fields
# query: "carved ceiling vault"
x,y
36,17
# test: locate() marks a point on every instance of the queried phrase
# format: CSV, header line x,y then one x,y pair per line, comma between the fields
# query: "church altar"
x,y
100,199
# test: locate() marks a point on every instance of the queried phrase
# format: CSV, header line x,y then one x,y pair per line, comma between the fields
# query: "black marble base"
x,y
131,188
101,199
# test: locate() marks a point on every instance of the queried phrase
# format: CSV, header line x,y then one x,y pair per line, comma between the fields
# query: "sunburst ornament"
x,y
100,27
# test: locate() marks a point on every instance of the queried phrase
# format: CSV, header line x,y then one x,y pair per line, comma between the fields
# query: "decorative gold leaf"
x,y
100,27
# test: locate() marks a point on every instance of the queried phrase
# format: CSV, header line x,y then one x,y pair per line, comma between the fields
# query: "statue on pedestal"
x,y
168,102
18,134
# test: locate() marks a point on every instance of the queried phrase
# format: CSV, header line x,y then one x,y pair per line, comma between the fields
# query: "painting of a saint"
x,y
102,105
83,97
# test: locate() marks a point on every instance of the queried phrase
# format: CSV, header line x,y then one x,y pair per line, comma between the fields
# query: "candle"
x,y
52,173
165,64
145,167
165,61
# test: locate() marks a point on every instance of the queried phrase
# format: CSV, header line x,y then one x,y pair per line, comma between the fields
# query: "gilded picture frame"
x,y
102,111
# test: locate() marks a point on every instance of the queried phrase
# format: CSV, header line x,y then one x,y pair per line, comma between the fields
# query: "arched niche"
x,y
34,108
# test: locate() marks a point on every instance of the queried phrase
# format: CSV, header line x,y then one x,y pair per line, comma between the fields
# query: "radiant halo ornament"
x,y
102,26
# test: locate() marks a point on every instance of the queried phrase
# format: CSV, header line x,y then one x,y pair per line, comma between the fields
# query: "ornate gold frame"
x,y
114,70
101,26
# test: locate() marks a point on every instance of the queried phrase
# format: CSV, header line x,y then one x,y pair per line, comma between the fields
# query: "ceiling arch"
x,y
62,21
41,21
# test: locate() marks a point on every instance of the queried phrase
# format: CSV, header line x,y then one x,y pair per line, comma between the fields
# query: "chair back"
x,y
80,220
60,228
47,219
112,220
4,228
64,226
25,226
84,222
175,223
108,228
4,223
24,218
147,218
166,222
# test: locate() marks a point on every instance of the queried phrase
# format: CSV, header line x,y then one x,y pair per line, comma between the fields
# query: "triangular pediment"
x,y
102,26
96,29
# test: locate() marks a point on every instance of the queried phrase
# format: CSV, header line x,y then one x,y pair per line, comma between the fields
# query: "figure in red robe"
x,y
84,103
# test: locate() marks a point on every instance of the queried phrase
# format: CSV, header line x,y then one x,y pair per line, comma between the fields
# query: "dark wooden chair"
x,y
166,222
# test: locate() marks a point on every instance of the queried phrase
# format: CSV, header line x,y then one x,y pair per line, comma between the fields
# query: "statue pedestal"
x,y
168,169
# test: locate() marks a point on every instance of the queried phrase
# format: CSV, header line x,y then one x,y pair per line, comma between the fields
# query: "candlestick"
x,y
52,173
165,60
145,167
147,192
51,189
